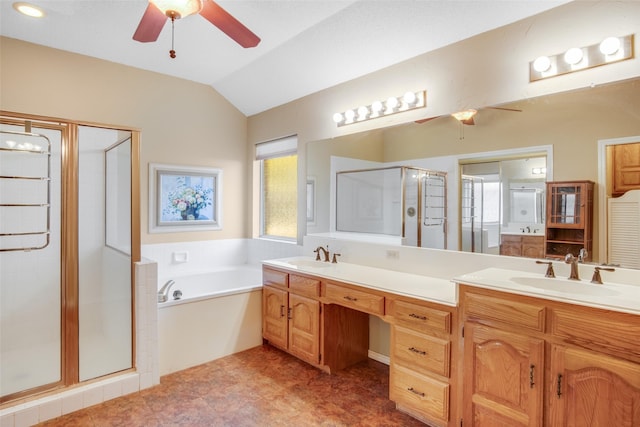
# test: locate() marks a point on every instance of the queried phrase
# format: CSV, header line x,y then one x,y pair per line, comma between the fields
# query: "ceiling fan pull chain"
x,y
172,52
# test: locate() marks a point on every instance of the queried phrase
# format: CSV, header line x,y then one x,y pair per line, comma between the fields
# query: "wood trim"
x,y
69,251
136,250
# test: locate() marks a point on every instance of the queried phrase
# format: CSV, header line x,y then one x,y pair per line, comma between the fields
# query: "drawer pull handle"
x,y
417,316
282,311
415,350
350,298
559,390
531,382
414,391
289,316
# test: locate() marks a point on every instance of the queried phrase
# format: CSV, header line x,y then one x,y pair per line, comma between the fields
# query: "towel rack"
x,y
26,224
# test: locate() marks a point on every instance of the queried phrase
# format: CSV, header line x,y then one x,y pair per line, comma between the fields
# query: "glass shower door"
x,y
104,252
30,260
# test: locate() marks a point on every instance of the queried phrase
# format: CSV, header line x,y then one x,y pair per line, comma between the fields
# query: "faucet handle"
x,y
335,260
549,272
597,279
317,252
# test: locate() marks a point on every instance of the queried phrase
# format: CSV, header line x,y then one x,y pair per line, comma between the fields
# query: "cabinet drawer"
x,y
421,352
506,312
304,285
274,278
359,300
421,318
599,330
424,395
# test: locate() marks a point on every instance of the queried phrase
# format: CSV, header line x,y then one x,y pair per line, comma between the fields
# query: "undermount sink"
x,y
565,286
309,263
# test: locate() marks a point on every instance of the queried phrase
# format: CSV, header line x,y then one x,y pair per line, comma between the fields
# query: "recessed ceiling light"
x,y
28,9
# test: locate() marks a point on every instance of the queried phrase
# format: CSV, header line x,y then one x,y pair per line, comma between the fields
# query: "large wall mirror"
x,y
515,148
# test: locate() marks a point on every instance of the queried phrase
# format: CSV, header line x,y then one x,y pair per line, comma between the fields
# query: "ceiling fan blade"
x,y
505,109
229,25
421,121
150,25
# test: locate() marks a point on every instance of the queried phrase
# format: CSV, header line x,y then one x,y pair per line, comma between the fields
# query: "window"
x,y
278,188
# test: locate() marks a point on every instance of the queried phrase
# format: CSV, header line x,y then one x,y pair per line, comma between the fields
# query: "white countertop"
x,y
412,285
520,233
610,296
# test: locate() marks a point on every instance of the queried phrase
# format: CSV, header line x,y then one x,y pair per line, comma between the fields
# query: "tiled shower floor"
x,y
262,386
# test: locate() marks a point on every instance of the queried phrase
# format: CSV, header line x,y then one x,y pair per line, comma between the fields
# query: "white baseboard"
x,y
379,357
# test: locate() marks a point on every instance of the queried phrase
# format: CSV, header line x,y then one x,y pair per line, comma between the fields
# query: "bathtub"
x,y
219,313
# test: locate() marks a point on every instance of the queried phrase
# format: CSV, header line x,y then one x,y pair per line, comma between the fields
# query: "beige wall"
x,y
488,69
182,122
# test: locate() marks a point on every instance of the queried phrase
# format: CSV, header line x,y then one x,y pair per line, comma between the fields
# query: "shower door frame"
x,y
69,281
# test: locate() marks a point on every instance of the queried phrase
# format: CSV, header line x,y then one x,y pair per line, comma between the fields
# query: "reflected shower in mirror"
x,y
567,126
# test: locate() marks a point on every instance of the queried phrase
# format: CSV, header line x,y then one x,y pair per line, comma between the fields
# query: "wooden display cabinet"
x,y
569,224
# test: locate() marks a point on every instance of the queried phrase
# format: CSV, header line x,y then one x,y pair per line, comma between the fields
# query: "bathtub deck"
x,y
262,387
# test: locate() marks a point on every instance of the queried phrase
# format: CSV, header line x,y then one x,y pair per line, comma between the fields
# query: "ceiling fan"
x,y
158,11
465,117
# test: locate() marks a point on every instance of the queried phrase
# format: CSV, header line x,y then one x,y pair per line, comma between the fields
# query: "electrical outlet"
x,y
393,254
180,257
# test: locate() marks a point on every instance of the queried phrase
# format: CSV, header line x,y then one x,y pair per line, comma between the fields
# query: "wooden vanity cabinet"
x,y
569,221
422,354
291,313
533,362
525,245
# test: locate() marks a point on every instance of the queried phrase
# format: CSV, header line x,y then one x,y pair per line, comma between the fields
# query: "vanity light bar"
x,y
611,49
409,101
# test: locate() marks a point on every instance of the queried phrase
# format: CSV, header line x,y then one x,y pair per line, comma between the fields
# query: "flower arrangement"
x,y
187,201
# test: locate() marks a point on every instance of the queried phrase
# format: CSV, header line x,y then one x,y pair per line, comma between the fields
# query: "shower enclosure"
x,y
67,244
401,201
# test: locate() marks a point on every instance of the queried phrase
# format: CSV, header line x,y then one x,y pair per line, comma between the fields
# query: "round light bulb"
x,y
542,64
350,115
376,107
338,118
410,98
573,55
610,45
363,112
392,103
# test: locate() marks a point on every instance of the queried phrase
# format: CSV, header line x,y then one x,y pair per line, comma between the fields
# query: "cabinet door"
x,y
533,247
274,316
626,168
591,389
510,245
304,328
503,378
566,205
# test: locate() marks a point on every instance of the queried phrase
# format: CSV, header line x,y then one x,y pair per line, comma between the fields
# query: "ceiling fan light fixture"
x,y
178,8
28,9
464,115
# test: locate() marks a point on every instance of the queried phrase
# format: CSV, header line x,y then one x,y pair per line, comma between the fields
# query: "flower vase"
x,y
190,214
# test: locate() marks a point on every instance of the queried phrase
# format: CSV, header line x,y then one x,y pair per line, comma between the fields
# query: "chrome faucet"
x,y
325,251
163,293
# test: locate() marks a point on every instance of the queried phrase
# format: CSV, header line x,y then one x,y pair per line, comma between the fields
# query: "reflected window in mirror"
x,y
508,199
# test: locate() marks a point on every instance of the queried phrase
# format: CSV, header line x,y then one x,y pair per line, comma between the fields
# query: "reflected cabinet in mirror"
x,y
504,161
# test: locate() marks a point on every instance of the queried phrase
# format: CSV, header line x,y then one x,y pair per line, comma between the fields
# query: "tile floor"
x,y
262,386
